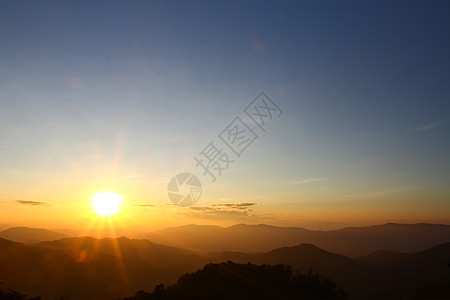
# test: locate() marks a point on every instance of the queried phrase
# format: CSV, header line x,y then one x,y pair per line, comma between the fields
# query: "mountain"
x,y
118,232
358,241
51,274
231,281
348,273
88,268
30,235
305,256
129,250
4,227
354,242
350,241
382,257
372,277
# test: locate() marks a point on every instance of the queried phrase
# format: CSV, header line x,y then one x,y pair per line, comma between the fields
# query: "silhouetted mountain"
x,y
415,270
129,250
30,235
382,256
346,272
4,227
231,281
100,233
397,277
358,241
38,271
89,268
440,290
351,241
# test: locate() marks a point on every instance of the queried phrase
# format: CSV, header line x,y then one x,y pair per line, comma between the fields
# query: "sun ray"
x,y
106,204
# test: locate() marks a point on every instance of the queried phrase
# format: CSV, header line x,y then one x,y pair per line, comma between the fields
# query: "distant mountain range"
x,y
90,268
350,241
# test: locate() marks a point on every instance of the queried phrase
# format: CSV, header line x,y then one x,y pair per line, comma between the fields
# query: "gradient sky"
x,y
121,95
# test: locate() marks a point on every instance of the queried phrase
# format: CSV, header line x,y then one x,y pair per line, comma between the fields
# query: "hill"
x,y
4,227
372,277
88,268
158,256
30,235
231,281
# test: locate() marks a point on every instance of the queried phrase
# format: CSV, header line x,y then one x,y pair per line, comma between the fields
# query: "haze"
x,y
235,150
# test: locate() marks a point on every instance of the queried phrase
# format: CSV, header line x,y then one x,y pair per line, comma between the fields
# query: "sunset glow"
x,y
106,204
258,149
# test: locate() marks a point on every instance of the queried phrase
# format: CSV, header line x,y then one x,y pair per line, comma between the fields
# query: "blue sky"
x,y
122,95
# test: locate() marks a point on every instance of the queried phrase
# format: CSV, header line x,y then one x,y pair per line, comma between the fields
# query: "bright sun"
x,y
106,204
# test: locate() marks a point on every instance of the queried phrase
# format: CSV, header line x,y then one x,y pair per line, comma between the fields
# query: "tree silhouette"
x,y
439,290
246,281
10,294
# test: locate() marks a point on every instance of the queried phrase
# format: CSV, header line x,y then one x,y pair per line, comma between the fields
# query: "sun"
x,y
106,204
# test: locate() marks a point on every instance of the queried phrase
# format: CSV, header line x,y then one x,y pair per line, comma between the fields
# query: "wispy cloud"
x,y
243,205
143,205
303,181
225,211
383,192
431,125
35,203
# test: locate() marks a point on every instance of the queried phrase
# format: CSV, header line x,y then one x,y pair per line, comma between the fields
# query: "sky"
x,y
122,96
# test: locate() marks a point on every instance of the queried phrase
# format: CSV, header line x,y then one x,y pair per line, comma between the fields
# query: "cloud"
x,y
431,125
35,203
225,211
214,214
307,180
143,205
243,205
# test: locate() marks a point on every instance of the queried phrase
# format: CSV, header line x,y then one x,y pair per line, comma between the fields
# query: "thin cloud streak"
x,y
34,203
304,181
431,125
243,205
226,211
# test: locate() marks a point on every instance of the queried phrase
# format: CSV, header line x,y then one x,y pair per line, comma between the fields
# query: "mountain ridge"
x,y
30,235
350,241
97,264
